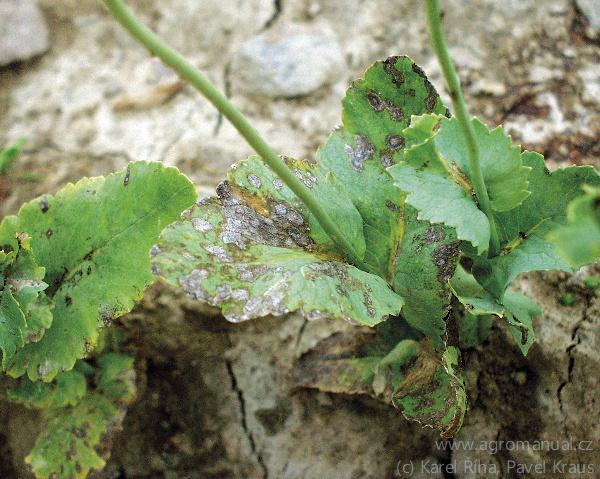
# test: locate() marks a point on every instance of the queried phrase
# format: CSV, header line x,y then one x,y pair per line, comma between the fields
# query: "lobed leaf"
x,y
75,440
93,238
67,389
25,311
390,365
524,231
502,165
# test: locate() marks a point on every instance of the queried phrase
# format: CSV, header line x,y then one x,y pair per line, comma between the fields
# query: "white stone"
x,y
591,10
23,31
287,65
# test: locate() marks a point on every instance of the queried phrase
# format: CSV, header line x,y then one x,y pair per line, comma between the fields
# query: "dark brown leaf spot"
x,y
44,205
127,176
375,101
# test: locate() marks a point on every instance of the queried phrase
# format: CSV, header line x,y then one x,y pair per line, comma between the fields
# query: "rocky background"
x,y
216,400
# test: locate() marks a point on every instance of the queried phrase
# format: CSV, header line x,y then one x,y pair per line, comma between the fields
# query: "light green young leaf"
x,y
504,172
93,240
433,392
255,256
578,241
524,231
518,310
73,443
438,190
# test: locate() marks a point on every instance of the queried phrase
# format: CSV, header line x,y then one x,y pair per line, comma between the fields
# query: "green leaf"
x,y
12,326
578,241
67,389
74,442
436,188
93,238
433,392
523,231
254,256
257,224
400,248
518,310
26,312
502,165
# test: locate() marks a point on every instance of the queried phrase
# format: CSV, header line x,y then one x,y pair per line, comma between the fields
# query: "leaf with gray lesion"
x,y
254,255
256,215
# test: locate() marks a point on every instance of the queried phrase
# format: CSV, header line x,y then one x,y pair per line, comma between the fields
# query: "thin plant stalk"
x,y
434,21
191,74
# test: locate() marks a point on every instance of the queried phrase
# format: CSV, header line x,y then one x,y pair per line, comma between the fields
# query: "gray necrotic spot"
x,y
362,151
192,284
219,252
201,225
387,159
254,181
244,225
277,184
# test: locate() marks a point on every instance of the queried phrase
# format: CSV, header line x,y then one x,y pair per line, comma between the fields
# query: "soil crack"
x,y
242,402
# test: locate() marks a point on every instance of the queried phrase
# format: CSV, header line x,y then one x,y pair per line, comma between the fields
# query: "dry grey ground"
x,y
215,399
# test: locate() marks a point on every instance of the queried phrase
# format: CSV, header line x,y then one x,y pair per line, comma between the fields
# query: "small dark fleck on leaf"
x,y
44,205
68,300
127,177
49,233
524,335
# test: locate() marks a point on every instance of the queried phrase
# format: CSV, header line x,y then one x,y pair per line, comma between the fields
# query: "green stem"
x,y
434,20
191,74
